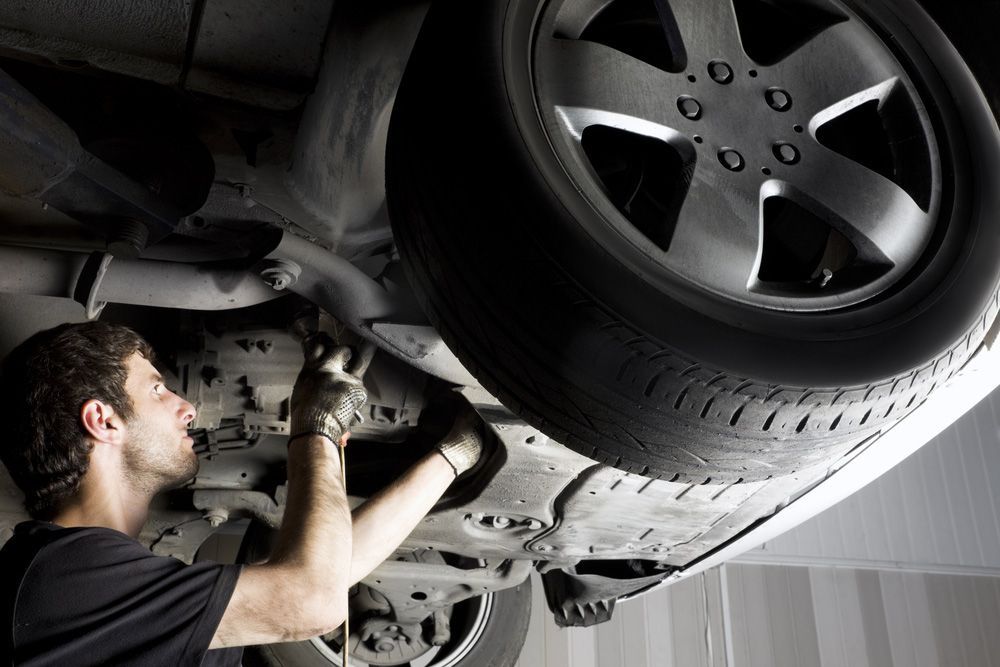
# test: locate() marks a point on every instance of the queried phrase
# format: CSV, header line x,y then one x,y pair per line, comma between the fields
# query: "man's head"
x,y
70,389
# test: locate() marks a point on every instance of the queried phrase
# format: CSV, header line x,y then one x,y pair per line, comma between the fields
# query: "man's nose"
x,y
187,412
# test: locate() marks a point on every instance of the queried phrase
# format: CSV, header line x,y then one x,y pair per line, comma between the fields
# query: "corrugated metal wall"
x,y
837,617
939,510
904,573
681,626
782,616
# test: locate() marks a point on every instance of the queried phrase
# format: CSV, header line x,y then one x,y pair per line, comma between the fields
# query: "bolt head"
x,y
785,152
689,107
731,159
280,274
720,71
778,99
278,282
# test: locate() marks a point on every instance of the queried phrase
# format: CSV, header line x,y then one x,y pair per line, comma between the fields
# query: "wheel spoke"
x,y
717,235
877,93
573,18
833,66
877,215
606,85
708,29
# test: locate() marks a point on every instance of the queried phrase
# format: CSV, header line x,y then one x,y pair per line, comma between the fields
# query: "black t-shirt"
x,y
95,596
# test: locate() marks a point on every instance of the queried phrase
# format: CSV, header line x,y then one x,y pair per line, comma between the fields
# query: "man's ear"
x,y
101,422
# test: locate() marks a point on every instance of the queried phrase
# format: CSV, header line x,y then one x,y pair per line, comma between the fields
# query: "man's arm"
x,y
388,517
301,591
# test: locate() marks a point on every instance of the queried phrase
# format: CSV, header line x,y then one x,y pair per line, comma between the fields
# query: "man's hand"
x,y
326,395
463,445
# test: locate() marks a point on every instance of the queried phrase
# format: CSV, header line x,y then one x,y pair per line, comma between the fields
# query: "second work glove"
x,y
463,446
326,395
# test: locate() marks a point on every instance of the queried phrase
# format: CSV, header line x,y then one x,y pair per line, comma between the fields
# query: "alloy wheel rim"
x,y
713,167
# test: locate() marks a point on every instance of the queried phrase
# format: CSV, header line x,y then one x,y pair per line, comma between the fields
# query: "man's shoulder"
x,y
34,528
106,595
44,544
43,534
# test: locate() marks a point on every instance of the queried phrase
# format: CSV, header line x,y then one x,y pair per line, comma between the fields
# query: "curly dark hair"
x,y
44,383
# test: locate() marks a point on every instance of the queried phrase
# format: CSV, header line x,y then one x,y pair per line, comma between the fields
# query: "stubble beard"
x,y
154,461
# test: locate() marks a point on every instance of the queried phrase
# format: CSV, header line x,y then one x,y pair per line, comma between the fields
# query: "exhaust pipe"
x,y
389,320
97,279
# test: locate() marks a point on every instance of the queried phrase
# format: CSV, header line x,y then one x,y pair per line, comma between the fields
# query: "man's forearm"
x,y
315,533
388,517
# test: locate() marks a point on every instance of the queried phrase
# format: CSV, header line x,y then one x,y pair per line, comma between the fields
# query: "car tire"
x,y
559,304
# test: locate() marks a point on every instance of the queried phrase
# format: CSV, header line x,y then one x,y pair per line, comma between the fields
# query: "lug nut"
x,y
778,99
731,159
720,71
689,107
785,152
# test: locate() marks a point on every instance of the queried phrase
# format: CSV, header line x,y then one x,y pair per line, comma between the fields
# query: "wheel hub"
x,y
726,115
381,641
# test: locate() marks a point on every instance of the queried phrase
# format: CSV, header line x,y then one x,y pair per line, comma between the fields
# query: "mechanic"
x,y
93,434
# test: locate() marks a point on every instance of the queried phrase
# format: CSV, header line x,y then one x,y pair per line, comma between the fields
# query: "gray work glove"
x,y
463,445
325,396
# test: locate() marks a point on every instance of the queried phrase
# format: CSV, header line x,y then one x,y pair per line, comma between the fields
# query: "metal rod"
x,y
342,445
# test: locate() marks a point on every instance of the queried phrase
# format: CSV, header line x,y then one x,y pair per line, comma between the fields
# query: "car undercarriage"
x,y
213,174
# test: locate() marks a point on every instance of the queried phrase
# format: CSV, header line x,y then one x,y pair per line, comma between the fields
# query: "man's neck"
x,y
124,511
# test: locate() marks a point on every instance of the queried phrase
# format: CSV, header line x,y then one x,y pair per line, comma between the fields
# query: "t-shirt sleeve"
x,y
114,600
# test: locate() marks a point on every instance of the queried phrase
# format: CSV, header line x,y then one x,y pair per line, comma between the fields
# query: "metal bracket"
x,y
256,503
582,600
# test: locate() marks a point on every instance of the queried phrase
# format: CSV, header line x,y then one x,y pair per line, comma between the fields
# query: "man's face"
x,y
158,453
